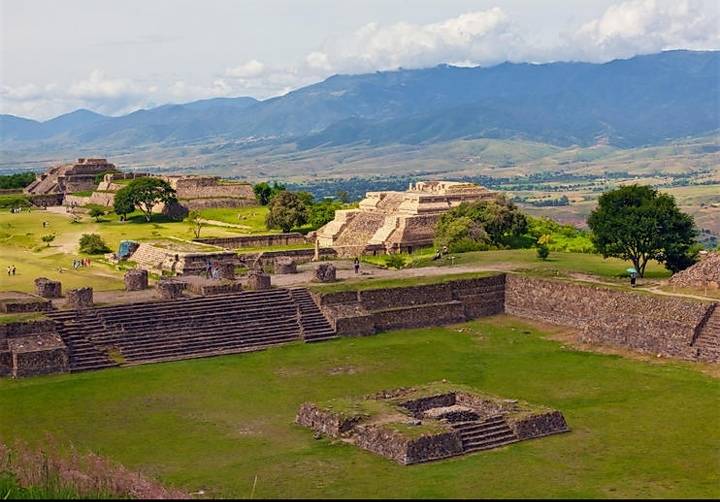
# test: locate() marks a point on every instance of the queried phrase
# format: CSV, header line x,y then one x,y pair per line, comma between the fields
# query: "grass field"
x,y
639,429
21,245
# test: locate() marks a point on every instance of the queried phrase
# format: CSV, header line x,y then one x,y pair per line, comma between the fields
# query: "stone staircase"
x,y
315,327
150,257
75,327
484,434
707,344
187,328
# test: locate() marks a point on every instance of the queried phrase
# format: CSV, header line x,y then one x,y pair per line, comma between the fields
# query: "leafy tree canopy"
x,y
638,223
286,211
264,191
480,225
143,193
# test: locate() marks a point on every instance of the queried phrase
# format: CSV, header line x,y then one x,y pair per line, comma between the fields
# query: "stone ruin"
x,y
325,272
704,274
169,289
47,288
258,280
285,265
431,422
79,298
61,180
136,280
389,222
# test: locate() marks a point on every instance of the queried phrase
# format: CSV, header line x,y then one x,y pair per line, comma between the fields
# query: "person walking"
x,y
633,279
356,265
9,269
13,270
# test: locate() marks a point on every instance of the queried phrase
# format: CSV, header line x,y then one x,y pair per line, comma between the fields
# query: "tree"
x,y
638,223
48,238
480,225
97,213
323,212
145,193
286,210
196,222
264,191
123,203
93,244
543,251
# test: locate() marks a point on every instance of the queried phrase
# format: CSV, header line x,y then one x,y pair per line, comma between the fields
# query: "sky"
x,y
117,56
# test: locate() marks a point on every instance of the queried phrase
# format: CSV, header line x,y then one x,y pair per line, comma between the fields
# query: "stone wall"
x,y
643,322
538,424
79,298
354,313
25,303
48,289
29,348
136,280
325,422
255,241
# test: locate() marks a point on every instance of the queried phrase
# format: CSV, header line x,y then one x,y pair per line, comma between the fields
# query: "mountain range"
x,y
642,101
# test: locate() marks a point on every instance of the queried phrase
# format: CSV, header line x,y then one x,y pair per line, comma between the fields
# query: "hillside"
x,y
645,100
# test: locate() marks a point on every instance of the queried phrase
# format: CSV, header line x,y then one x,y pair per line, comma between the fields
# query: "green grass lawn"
x,y
527,260
639,429
21,245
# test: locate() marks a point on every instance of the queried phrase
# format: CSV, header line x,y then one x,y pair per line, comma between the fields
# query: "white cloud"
x,y
482,37
645,26
250,69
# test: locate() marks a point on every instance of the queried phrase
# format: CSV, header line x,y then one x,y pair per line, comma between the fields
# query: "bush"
x,y
396,261
543,252
47,239
93,244
12,201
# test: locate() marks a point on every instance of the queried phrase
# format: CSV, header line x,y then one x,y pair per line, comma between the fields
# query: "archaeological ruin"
x,y
388,222
430,422
194,316
69,185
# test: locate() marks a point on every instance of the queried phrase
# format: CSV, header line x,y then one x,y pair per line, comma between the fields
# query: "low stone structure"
x,y
31,347
299,256
325,272
48,289
79,298
258,280
169,289
431,422
179,257
256,241
136,280
397,221
15,302
285,265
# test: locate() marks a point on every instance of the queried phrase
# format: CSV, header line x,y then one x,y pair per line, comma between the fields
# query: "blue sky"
x,y
117,56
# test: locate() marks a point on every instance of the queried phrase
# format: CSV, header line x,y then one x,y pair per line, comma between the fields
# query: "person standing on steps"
x,y
356,265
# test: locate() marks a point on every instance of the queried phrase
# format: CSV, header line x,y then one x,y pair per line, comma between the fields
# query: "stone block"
x,y
258,280
79,298
136,280
226,271
325,272
284,265
169,289
48,289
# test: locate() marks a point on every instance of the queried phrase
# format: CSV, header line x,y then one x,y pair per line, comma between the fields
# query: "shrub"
x,y
543,252
47,239
396,261
93,244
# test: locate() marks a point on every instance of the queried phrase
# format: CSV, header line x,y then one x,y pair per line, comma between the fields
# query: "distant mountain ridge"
x,y
644,100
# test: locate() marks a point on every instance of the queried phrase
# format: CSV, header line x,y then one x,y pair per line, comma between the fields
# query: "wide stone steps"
x,y
707,343
484,434
189,327
315,325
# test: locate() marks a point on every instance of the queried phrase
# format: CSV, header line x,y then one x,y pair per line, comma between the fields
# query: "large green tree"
x,y
264,191
286,210
480,225
638,223
144,193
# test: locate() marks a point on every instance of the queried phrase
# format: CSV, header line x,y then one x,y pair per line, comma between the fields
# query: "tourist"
x,y
13,270
356,264
9,269
633,278
438,255
445,250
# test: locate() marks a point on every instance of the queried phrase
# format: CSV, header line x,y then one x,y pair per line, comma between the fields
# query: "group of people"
x,y
440,253
11,270
15,210
80,262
